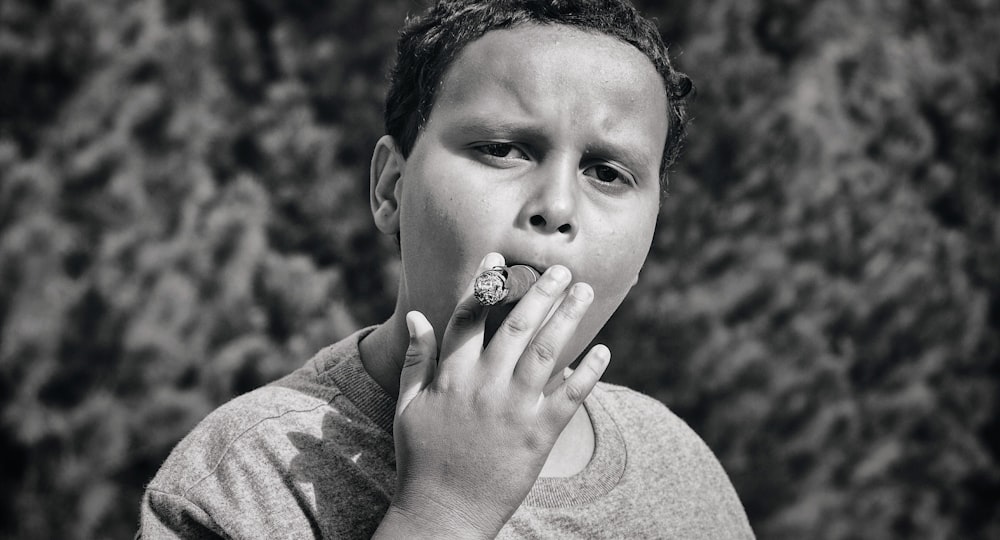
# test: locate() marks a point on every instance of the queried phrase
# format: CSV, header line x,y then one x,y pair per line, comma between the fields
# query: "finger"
x,y
562,403
419,365
463,338
512,338
540,358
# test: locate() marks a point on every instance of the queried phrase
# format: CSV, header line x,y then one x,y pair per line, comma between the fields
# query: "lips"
x,y
539,268
537,258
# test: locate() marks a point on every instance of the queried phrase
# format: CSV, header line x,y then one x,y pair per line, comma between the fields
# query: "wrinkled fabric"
x,y
311,456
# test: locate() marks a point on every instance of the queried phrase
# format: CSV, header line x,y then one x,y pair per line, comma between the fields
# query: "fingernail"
x,y
558,273
603,354
582,292
410,325
491,259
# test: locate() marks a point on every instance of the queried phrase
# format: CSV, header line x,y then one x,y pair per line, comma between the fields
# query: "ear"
x,y
386,172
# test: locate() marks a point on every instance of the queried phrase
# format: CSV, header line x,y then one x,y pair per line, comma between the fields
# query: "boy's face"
x,y
544,144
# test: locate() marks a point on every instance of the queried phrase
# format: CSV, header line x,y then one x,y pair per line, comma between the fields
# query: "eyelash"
x,y
621,175
485,150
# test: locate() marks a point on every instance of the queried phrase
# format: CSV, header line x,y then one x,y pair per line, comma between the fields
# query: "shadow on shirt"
x,y
348,471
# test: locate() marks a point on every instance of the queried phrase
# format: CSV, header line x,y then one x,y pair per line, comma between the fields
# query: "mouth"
x,y
537,267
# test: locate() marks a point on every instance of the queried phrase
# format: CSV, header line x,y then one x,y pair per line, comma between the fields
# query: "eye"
x,y
502,150
608,174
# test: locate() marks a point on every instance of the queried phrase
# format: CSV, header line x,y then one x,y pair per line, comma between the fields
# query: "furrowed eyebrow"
x,y
491,127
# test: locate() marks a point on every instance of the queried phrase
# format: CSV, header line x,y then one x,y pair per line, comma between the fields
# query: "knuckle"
x,y
516,324
591,370
413,356
575,394
465,316
543,351
477,400
414,352
571,310
548,288
536,442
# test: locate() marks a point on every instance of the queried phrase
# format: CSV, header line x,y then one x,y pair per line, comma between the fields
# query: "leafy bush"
x,y
183,217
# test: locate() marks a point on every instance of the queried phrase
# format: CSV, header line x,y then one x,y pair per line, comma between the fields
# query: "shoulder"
x,y
633,409
238,449
648,423
666,455
254,420
267,422
300,440
264,423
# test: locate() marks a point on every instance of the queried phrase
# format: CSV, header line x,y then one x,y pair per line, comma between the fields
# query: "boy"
x,y
518,132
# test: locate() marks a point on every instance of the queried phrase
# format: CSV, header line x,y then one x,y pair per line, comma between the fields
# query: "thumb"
x,y
420,362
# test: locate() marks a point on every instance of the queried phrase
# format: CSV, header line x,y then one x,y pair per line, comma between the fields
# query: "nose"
x,y
552,204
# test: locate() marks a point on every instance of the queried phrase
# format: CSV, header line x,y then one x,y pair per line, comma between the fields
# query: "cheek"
x,y
430,232
623,250
448,228
616,264
447,222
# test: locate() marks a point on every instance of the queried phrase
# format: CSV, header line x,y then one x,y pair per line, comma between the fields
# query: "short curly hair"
x,y
428,44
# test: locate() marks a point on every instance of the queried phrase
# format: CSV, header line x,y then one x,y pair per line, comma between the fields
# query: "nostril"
x,y
564,228
537,221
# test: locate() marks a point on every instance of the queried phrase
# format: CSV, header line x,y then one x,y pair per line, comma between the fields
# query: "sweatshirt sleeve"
x,y
165,515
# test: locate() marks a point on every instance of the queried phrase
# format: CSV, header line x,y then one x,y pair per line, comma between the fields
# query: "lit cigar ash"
x,y
503,284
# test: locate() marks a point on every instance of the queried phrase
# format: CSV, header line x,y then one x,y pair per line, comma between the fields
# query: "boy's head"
x,y
429,44
551,127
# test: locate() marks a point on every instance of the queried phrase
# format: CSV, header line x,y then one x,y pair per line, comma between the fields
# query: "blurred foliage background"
x,y
183,217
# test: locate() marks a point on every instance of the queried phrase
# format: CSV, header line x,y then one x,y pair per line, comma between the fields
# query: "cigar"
x,y
504,284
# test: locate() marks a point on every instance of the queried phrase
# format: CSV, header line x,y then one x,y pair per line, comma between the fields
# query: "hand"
x,y
473,431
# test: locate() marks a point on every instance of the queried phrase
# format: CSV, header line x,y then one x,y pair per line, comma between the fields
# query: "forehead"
x,y
561,74
530,48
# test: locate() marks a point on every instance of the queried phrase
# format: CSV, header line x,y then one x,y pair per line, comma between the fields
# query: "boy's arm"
x,y
473,429
165,515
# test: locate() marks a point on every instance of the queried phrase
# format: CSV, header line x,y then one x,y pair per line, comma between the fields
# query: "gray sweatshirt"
x,y
311,455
